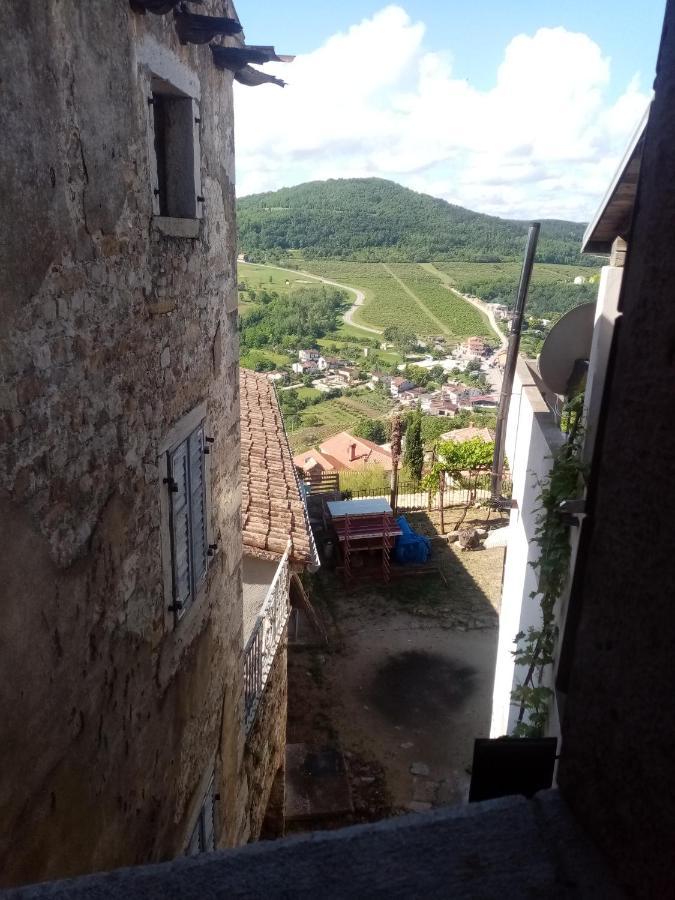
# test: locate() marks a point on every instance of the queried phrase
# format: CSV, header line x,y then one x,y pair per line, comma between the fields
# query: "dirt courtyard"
x,y
405,684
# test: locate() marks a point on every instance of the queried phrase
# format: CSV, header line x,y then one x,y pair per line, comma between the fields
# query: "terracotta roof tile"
x,y
272,509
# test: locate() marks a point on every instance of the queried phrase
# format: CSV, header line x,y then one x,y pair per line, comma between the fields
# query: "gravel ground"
x,y
406,683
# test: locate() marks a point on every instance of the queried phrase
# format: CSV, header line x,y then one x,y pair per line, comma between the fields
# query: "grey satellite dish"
x,y
568,342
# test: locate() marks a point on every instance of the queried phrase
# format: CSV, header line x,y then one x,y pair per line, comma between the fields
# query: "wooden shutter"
x,y
196,157
198,505
181,550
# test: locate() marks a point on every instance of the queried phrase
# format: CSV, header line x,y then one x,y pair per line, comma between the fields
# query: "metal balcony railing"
x,y
261,647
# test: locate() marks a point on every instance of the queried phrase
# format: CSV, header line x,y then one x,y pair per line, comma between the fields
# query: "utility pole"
x,y
511,359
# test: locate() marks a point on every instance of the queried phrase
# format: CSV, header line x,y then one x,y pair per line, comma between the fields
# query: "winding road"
x,y
480,305
360,298
349,315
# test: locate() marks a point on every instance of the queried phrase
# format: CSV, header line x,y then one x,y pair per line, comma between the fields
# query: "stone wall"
x,y
616,768
266,742
110,332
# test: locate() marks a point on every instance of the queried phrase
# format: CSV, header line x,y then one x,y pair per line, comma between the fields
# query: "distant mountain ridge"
x,y
375,220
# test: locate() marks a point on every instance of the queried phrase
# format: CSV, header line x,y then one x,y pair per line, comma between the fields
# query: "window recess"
x,y
176,177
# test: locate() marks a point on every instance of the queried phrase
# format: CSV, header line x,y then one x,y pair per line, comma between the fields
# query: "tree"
x,y
372,430
460,463
413,458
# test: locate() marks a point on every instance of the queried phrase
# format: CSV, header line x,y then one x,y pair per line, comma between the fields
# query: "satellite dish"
x,y
568,341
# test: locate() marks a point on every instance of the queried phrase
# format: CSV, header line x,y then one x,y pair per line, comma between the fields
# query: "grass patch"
x,y
308,393
250,359
270,278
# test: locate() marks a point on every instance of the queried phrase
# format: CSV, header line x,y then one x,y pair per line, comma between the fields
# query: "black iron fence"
x,y
411,495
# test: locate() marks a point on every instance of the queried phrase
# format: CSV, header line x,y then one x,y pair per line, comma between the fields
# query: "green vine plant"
x,y
535,647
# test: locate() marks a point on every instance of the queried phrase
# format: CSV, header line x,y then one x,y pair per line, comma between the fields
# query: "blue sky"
x,y
519,109
475,33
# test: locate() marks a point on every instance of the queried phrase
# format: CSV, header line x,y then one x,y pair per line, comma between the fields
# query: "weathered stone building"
x,y
121,679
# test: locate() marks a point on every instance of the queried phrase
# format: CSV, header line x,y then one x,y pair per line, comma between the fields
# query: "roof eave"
x,y
593,241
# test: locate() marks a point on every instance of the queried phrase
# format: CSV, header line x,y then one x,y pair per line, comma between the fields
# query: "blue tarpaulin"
x,y
410,547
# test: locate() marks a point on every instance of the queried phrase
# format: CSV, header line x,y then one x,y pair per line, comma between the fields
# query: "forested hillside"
x,y
371,219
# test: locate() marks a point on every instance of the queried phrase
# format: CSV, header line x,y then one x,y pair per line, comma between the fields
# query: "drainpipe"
x,y
511,359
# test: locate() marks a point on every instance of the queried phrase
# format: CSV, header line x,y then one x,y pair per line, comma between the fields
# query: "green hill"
x,y
371,219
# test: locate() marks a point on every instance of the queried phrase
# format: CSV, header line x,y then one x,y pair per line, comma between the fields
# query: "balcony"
x,y
262,629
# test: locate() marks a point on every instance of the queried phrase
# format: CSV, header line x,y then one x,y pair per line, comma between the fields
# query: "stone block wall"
x,y
110,332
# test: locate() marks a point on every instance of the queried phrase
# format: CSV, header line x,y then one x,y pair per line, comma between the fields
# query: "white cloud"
x,y
543,142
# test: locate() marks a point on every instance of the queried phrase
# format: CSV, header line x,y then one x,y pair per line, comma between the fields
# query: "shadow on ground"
x,y
405,684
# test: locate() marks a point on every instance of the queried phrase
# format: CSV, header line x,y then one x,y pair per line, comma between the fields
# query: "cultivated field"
x,y
332,416
461,273
267,278
404,295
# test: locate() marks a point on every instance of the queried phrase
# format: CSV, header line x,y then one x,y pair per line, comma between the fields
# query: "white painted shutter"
x,y
180,525
198,505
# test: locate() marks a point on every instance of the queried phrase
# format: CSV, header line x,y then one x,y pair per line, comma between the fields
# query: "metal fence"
x,y
262,646
411,495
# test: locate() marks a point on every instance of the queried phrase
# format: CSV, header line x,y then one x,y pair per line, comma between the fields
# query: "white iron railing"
x,y
261,647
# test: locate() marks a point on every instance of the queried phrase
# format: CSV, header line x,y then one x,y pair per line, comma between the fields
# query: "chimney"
x,y
352,452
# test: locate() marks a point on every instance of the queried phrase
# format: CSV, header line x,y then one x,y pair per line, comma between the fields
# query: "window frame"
x,y
161,71
183,139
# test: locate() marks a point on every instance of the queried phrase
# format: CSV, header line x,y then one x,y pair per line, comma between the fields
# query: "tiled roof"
x,y
459,435
272,509
337,448
313,457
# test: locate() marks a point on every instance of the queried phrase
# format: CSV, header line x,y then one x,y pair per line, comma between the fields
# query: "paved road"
x,y
485,309
349,315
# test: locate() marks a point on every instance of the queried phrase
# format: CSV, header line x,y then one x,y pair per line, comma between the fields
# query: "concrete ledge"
x,y
503,848
183,228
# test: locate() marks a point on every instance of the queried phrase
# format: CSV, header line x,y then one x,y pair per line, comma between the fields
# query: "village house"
x,y
310,355
377,376
121,616
475,345
278,546
482,401
458,393
341,452
438,404
305,367
500,310
399,384
348,374
330,363
330,383
412,397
